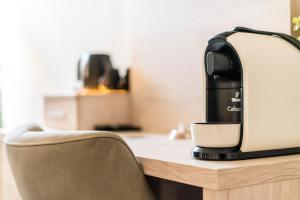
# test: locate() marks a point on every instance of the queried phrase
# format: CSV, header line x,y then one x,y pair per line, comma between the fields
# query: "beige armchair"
x,y
74,165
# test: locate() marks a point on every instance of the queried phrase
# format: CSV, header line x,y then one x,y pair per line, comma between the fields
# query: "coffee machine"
x,y
252,96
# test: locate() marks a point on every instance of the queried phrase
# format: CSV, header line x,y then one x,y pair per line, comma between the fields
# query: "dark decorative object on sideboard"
x,y
91,67
96,71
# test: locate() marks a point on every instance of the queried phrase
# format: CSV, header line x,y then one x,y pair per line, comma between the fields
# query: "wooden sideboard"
x,y
75,112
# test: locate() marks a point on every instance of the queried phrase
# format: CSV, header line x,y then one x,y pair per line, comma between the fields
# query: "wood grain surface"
x,y
172,160
282,190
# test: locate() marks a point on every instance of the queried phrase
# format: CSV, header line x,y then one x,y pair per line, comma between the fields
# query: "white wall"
x,y
167,44
41,43
41,40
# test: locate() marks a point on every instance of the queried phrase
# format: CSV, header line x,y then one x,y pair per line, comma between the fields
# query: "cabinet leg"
x,y
282,190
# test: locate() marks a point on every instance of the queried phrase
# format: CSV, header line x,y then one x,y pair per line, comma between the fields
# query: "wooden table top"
x,y
172,160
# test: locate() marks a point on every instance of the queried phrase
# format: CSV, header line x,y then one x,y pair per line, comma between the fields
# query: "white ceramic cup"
x,y
216,135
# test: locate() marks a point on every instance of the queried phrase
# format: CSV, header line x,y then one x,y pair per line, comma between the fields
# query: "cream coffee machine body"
x,y
252,83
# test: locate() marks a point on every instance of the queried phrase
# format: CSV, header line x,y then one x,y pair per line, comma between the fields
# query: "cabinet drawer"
x,y
60,112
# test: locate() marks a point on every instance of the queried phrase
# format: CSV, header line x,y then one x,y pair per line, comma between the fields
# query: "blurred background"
x,y
161,41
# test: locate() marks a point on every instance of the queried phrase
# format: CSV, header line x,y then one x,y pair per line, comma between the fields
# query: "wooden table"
x,y
275,178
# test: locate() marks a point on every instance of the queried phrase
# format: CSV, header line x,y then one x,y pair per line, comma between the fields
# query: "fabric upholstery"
x,y
81,165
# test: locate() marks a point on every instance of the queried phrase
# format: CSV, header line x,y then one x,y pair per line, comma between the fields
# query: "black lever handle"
x,y
218,64
286,37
